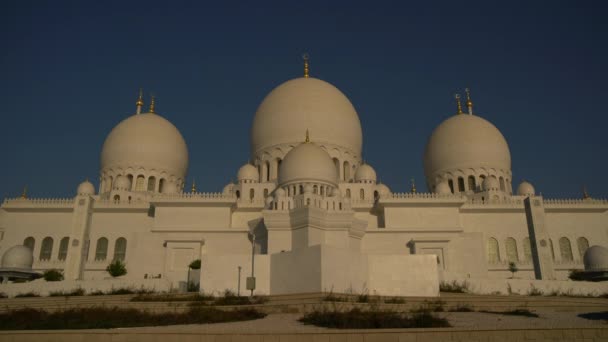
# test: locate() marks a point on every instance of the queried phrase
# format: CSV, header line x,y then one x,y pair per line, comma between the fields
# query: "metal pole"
x,y
238,291
252,257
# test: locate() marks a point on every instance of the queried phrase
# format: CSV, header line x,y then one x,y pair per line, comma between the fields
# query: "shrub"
x,y
52,275
96,293
331,297
121,291
230,298
454,287
513,268
171,298
358,319
576,275
394,300
27,294
515,312
193,287
117,268
436,306
195,265
75,292
462,308
3,295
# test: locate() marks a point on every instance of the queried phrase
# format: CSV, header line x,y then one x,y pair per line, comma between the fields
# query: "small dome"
x,y
86,188
525,189
365,173
308,162
18,257
383,190
122,183
443,188
170,188
247,172
490,183
596,259
279,192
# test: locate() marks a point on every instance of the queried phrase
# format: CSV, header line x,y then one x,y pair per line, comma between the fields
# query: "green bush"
x,y
373,319
117,268
195,265
52,275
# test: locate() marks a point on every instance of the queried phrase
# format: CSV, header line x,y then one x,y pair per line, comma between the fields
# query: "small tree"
x,y
117,268
195,265
52,275
513,268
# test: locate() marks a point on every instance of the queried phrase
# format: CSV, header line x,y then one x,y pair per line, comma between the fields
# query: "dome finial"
x,y
193,188
152,98
469,102
413,188
458,105
24,193
585,193
140,101
307,140
305,58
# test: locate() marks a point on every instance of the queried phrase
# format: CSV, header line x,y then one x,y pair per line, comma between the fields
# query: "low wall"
x,y
44,288
526,286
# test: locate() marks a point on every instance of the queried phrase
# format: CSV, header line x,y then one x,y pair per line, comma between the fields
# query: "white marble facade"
x,y
318,218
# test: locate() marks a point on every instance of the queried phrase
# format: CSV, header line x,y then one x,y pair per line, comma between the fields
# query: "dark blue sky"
x,y
70,71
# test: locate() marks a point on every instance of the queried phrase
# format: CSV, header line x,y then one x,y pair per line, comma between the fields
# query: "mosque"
x,y
306,214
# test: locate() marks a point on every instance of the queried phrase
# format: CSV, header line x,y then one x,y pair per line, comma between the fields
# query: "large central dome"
x,y
306,103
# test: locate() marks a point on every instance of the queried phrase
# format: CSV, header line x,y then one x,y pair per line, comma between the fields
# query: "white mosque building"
x,y
309,208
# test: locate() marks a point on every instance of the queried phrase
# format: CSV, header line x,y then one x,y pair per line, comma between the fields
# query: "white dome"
x,y
18,257
443,188
464,142
306,103
383,190
525,189
122,183
490,183
247,172
86,188
170,188
596,258
308,162
146,141
365,173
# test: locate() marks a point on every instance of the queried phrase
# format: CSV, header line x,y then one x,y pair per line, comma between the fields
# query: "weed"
x,y
373,319
394,300
454,287
27,294
331,297
462,308
534,291
75,292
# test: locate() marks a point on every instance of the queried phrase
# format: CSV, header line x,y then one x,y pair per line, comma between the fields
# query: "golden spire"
x,y
193,188
469,102
307,140
458,105
140,101
413,188
151,104
24,193
585,193
305,58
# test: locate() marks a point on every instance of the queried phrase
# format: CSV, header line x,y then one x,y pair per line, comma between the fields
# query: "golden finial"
x,y
307,140
24,193
585,193
413,188
305,58
193,188
151,104
469,102
458,105
140,101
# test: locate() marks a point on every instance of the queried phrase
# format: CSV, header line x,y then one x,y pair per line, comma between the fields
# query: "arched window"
x,y
493,252
139,183
451,184
460,184
347,193
46,249
346,167
376,195
511,250
120,249
265,193
161,185
267,171
361,194
472,186
527,249
109,184
508,185
315,189
251,194
565,249
238,194
131,184
582,244
337,164
322,191
301,189
29,242
502,183
552,250
63,248
101,251
308,201
116,198
152,183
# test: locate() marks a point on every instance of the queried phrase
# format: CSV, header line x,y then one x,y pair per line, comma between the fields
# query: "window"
x,y
139,183
472,186
151,183
301,189
460,184
512,250
337,164
361,194
582,245
63,248
266,171
130,177
251,194
46,249
527,249
502,183
493,252
109,184
120,249
238,194
376,195
161,185
565,249
451,184
315,189
265,193
116,198
346,171
101,251
29,242
347,193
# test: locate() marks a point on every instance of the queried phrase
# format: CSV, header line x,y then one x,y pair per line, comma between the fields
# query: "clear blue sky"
x,y
70,71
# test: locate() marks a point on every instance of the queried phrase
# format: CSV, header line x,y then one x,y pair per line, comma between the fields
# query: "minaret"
x,y
305,57
585,193
151,104
413,188
24,193
469,102
458,105
193,188
140,102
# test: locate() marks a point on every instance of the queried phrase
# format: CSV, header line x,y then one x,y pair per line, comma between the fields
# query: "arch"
x,y
151,183
315,189
347,193
565,249
139,183
451,184
460,184
101,249
109,184
337,164
120,249
582,244
63,248
322,191
251,194
511,245
527,249
266,171
471,181
552,250
340,205
502,183
116,198
238,194
29,242
346,167
361,194
265,193
161,185
376,195
493,251
301,189
46,248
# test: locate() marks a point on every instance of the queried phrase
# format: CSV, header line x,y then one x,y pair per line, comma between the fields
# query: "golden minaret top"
x,y
458,105
306,68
